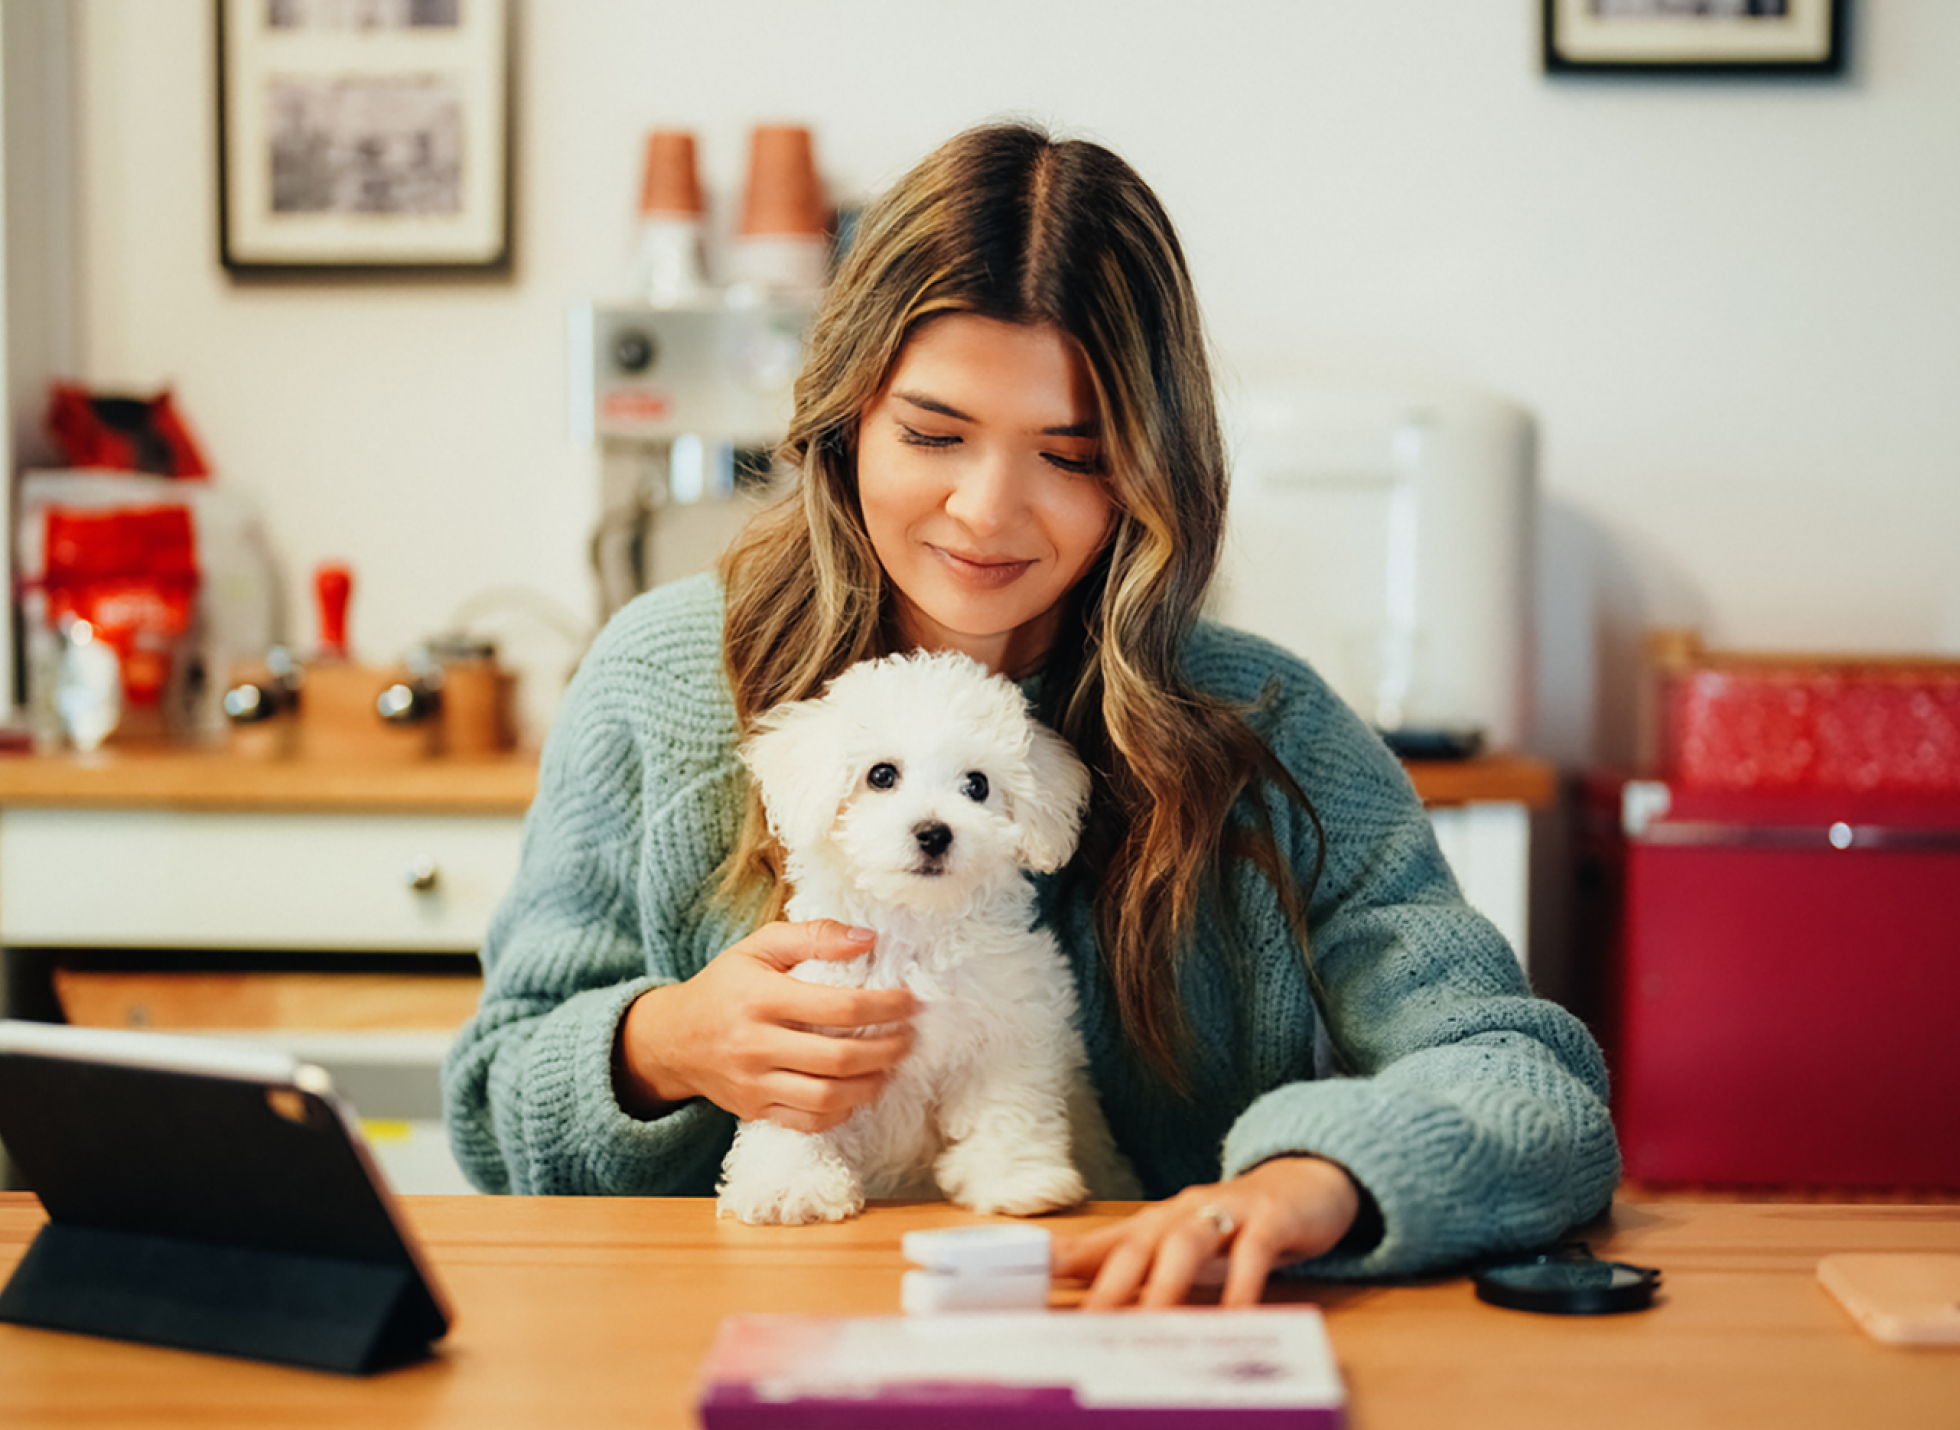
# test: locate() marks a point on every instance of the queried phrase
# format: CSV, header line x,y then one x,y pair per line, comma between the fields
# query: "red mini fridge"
x,y
1787,990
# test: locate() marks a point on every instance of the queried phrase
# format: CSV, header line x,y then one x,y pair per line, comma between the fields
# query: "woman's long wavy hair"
x,y
1006,223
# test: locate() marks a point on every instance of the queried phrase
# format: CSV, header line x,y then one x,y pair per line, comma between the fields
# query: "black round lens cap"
x,y
1559,1285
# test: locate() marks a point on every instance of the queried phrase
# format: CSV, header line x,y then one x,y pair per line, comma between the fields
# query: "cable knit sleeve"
x,y
638,796
1472,1112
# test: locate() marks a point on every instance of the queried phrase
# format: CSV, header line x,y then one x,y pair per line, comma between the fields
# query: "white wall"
x,y
39,281
1735,307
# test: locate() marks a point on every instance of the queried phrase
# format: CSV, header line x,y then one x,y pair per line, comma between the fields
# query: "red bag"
x,y
123,434
131,573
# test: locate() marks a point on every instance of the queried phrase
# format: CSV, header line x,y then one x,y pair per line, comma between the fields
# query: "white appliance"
x,y
719,373
682,406
1385,534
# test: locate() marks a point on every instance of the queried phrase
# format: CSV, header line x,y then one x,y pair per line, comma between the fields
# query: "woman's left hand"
x,y
1283,1210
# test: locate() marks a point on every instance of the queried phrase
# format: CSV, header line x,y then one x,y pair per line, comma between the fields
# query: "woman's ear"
x,y
1047,797
796,762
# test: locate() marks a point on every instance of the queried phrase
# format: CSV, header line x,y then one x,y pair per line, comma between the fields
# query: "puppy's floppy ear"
x,y
1047,796
803,778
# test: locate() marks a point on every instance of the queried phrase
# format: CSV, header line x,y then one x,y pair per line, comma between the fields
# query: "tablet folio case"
x,y
187,1211
313,1311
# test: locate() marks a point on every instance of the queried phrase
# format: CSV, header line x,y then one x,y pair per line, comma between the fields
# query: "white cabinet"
x,y
82,878
1488,846
159,878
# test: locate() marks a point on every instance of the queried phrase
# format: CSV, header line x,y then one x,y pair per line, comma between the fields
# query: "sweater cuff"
x,y
1365,1234
1442,1194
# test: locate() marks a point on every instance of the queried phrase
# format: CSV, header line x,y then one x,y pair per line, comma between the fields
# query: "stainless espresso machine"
x,y
683,406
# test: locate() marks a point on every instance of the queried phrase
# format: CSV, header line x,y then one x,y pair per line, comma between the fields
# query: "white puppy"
x,y
909,798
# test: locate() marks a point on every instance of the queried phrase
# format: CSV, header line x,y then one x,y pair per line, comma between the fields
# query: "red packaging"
x,y
122,434
131,573
1787,986
1760,722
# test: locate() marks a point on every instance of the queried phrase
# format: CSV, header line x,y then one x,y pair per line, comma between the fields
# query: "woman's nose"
x,y
990,496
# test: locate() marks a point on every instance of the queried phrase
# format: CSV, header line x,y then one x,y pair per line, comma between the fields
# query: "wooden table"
x,y
596,1312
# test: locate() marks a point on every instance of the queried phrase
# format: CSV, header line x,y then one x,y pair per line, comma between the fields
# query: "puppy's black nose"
x,y
934,838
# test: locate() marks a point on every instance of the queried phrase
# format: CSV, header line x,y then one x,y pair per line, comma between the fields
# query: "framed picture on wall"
x,y
1696,36
363,135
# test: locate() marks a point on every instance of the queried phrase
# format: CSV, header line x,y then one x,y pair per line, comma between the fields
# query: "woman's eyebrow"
x,y
927,403
932,404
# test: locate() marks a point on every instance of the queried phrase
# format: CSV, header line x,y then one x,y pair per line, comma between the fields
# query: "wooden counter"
x,y
596,1312
1489,779
137,777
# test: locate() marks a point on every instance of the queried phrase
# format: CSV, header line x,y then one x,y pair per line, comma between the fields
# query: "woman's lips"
x,y
986,573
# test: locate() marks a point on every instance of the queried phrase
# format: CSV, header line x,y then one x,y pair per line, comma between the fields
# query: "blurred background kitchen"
x,y
1712,318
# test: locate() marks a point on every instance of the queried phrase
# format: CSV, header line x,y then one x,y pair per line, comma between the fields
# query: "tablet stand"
x,y
321,1312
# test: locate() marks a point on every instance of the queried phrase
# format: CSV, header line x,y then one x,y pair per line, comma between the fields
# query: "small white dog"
x,y
909,798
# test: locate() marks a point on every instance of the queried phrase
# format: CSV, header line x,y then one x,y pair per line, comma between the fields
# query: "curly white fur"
x,y
909,798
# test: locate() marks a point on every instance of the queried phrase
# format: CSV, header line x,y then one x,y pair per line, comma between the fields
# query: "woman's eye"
x,y
974,786
882,777
1079,466
913,437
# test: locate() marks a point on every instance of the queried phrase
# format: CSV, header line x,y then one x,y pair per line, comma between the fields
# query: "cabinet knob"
x,y
422,875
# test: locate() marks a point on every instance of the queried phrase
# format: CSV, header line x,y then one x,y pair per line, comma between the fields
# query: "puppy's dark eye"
x,y
974,786
882,777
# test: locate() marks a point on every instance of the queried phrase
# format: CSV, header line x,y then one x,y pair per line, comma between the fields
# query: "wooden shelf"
x,y
198,1000
138,777
1489,779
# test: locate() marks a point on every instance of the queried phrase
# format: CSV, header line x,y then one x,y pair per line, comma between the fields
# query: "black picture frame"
x,y
1695,37
364,137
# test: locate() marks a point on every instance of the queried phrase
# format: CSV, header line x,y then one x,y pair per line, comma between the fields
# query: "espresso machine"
x,y
682,407
683,389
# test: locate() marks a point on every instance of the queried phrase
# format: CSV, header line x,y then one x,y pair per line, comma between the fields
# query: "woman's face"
x,y
980,477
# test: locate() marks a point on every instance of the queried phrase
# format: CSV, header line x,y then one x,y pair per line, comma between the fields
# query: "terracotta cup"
x,y
783,195
671,184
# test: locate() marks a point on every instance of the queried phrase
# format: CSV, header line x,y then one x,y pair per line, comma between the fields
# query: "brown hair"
x,y
1006,223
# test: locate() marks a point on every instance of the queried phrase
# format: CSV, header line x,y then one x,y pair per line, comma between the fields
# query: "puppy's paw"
x,y
1005,1185
775,1177
788,1206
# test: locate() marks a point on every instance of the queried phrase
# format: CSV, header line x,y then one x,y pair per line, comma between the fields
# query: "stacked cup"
x,y
673,220
782,244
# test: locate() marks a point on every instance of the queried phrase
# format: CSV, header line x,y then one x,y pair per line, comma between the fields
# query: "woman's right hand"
x,y
743,1034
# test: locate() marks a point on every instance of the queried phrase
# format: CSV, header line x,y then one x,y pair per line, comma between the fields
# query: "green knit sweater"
x,y
1472,1112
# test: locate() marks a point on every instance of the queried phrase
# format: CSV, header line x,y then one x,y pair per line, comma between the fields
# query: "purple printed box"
x,y
1069,1370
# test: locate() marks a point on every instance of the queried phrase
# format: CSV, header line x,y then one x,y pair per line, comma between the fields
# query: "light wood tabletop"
x,y
596,1312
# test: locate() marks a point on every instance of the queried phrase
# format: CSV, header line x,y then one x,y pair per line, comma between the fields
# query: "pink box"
x,y
1185,1369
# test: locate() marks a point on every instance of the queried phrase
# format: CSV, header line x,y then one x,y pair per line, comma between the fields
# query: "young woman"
x,y
1311,1049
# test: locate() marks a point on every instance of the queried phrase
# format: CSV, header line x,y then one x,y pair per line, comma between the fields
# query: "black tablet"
x,y
206,1194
